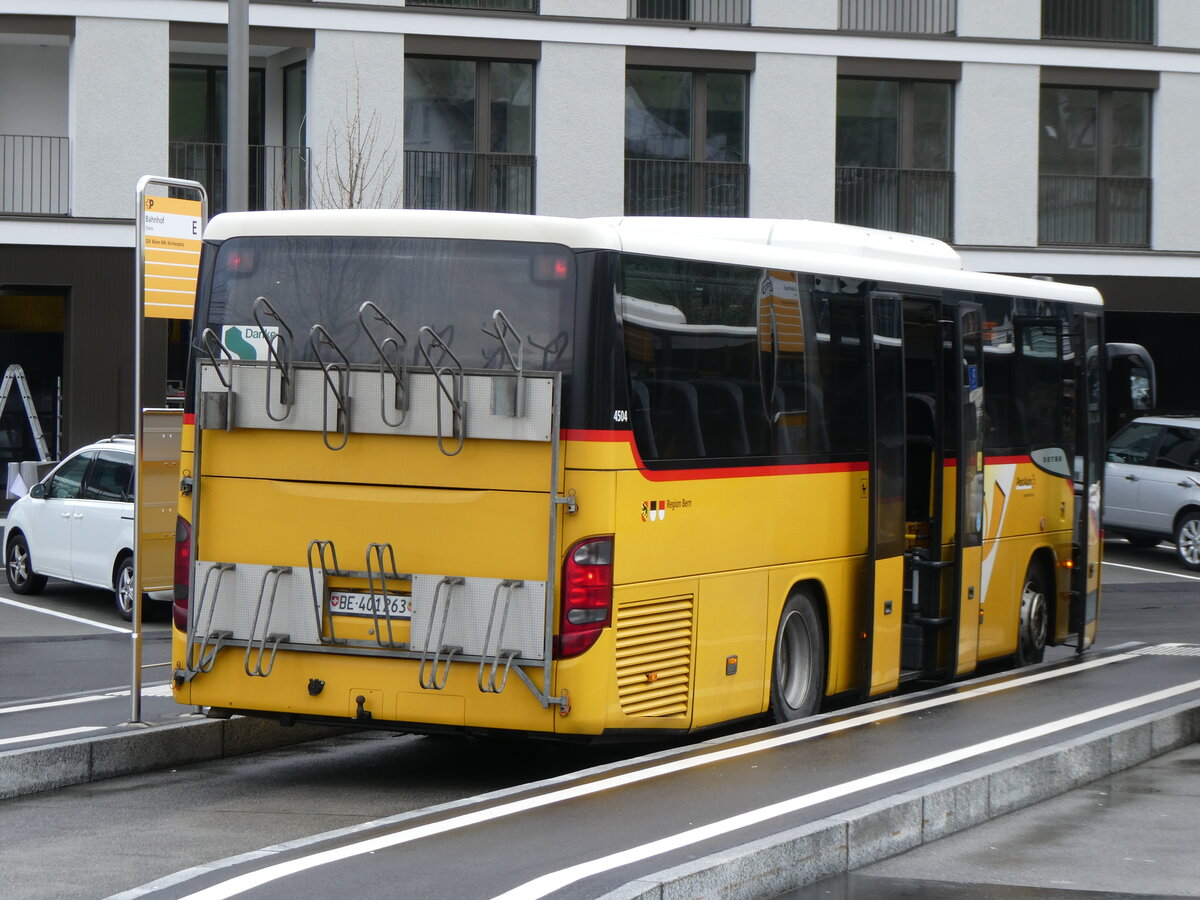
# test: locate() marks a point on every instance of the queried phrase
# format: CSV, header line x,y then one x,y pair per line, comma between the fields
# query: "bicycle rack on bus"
x,y
375,553
320,595
399,369
432,682
271,576
281,361
453,393
215,406
340,388
525,406
506,588
202,659
508,396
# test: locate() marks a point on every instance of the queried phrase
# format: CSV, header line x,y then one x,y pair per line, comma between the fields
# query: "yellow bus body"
x,y
694,607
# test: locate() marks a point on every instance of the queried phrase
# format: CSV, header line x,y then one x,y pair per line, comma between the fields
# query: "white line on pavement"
x,y
553,881
249,880
47,735
154,690
1153,571
63,615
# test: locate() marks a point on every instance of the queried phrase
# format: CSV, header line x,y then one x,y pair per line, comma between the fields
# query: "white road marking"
x,y
156,690
241,883
63,615
1153,571
46,735
553,881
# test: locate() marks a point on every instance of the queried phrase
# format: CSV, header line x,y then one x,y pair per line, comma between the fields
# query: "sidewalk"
x,y
1132,833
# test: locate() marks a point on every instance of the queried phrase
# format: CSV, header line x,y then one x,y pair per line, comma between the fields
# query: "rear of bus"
x,y
376,520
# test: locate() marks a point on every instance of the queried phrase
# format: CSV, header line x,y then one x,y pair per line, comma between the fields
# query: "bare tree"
x,y
360,160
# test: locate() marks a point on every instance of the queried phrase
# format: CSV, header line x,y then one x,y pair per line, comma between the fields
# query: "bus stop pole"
x,y
139,324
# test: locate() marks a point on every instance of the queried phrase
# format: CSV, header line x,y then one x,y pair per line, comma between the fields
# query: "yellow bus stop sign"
x,y
171,251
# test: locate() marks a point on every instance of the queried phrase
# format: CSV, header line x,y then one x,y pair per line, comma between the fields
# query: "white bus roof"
x,y
791,244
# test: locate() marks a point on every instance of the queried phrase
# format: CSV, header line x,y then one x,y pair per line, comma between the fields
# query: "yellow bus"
x,y
571,477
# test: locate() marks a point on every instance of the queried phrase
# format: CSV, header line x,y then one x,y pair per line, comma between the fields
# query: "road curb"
x,y
144,749
799,856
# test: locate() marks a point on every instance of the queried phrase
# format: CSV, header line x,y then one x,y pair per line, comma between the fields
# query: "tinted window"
x,y
1134,443
453,286
730,361
111,477
691,351
1180,449
66,482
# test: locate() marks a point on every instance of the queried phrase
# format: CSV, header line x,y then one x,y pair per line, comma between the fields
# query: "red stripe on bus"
x,y
626,437
189,418
1018,460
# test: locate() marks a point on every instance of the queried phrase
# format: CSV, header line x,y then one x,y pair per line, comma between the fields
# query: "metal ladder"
x,y
15,374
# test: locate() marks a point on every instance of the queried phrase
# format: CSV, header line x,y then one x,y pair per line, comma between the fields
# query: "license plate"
x,y
350,603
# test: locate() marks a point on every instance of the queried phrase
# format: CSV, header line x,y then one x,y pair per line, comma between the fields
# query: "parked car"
x,y
1152,484
77,524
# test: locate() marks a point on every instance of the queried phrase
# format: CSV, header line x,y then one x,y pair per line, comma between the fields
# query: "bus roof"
x,y
791,244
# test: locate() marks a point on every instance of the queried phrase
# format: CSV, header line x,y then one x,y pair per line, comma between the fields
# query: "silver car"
x,y
1152,484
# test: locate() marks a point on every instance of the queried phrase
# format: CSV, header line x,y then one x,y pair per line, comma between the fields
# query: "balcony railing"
x,y
529,6
1083,209
1120,21
280,177
485,182
899,16
717,12
658,187
914,201
35,175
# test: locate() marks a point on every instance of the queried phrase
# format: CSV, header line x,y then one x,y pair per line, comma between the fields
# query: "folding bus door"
x,y
1088,474
968,508
885,545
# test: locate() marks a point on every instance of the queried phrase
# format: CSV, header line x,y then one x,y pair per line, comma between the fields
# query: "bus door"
x,y
885,546
1089,470
966,601
943,486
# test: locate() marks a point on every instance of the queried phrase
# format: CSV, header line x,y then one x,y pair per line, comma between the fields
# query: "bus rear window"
x,y
452,286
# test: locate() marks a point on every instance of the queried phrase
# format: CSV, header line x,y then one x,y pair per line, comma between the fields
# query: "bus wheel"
x,y
798,669
1034,626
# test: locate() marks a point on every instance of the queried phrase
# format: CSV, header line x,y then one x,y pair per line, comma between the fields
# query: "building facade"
x,y
1047,137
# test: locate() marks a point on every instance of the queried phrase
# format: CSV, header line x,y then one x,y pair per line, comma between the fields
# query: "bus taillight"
x,y
183,567
587,596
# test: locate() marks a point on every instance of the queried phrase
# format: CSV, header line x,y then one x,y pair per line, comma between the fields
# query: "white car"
x,y
77,524
1152,484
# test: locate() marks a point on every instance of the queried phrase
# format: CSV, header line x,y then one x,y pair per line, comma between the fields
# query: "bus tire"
x,y
798,663
1033,626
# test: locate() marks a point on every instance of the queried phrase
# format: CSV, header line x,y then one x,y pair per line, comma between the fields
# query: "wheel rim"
x,y
1035,620
795,645
1189,541
125,589
18,564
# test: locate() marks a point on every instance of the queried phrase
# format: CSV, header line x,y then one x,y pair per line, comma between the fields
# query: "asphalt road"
x,y
97,839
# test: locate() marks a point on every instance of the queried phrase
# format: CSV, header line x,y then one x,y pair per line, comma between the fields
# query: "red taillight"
x,y
587,596
183,571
